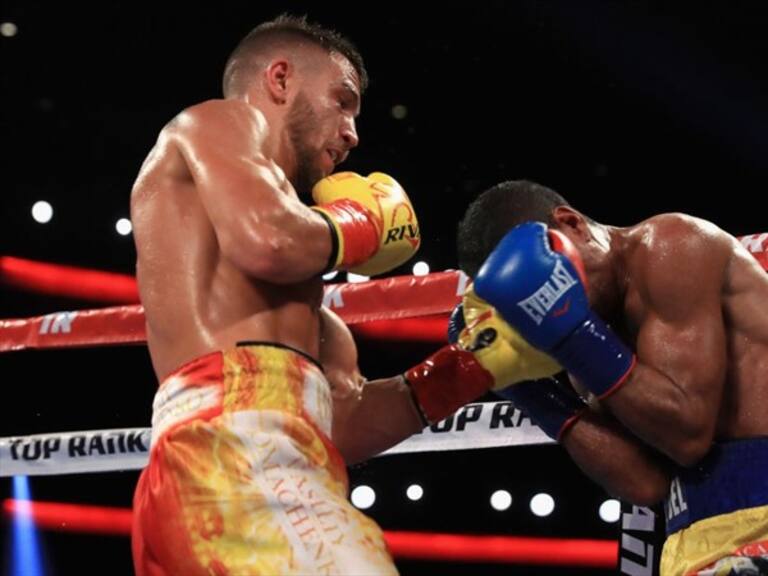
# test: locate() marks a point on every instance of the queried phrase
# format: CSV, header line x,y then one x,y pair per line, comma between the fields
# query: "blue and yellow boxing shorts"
x,y
242,478
717,513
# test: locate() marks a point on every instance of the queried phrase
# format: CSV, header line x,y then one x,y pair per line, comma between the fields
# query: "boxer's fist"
x,y
499,348
536,280
537,289
372,220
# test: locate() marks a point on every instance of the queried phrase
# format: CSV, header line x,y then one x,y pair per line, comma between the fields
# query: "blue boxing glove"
x,y
536,281
553,407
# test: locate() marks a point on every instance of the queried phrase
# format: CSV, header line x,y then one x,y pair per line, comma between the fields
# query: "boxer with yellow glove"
x,y
552,406
486,354
373,224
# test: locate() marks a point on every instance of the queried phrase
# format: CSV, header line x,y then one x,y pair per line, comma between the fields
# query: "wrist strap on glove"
x,y
553,407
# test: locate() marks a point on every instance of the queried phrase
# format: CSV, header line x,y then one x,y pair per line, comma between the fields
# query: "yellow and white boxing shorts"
x,y
242,477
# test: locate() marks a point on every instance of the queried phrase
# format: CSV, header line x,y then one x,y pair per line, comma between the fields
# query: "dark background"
x,y
627,108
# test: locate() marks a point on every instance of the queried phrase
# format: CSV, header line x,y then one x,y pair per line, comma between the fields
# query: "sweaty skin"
x,y
227,251
368,416
688,298
693,309
199,293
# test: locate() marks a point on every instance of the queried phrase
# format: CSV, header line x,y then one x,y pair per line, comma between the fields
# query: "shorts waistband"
x,y
251,376
732,476
246,343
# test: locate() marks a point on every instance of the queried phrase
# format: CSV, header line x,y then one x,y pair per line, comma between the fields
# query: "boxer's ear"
x,y
571,222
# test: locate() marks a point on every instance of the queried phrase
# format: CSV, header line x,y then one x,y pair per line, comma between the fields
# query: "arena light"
x,y
42,212
72,517
355,278
413,545
26,559
8,29
610,511
68,281
363,497
503,549
414,492
420,268
542,504
330,275
124,227
501,500
399,111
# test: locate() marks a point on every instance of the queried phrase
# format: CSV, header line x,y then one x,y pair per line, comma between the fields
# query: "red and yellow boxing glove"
x,y
489,355
372,221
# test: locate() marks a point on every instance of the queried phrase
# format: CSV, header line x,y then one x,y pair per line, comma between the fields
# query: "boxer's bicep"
x,y
260,224
338,356
682,335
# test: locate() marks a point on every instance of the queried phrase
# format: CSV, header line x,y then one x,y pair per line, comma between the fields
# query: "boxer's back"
x,y
743,287
195,299
745,401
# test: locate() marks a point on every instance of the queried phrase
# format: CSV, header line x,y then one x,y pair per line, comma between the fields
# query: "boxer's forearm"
x,y
619,462
664,414
382,415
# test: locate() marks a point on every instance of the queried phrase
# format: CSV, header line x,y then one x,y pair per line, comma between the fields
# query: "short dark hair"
x,y
495,212
285,29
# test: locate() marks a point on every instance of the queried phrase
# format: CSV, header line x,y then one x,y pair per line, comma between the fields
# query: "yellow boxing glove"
x,y
489,355
372,221
499,348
